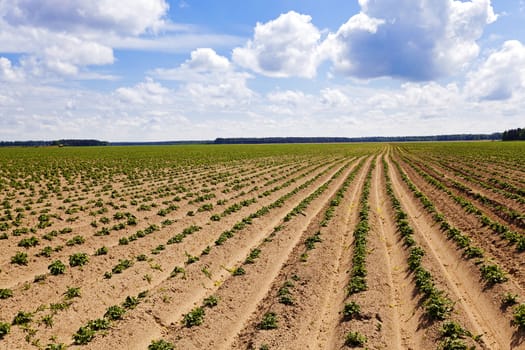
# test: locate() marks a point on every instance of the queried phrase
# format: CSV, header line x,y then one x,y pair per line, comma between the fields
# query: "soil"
x,y
314,279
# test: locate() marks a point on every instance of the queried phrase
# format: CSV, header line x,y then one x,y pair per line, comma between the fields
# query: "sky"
x,y
153,70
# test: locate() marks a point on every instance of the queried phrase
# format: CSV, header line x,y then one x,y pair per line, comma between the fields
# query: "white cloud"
x,y
289,103
72,53
332,97
407,39
288,97
47,51
362,22
174,43
209,79
415,40
124,16
432,95
64,38
284,47
501,76
79,52
8,72
63,55
226,95
151,111
358,105
210,95
204,64
206,59
336,45
466,22
147,92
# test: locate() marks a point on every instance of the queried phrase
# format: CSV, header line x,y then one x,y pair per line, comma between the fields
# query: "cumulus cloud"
x,y
147,92
226,95
501,75
332,97
431,94
414,40
294,103
466,23
72,53
209,95
206,59
123,16
288,97
151,111
63,55
65,37
202,64
8,72
209,79
284,47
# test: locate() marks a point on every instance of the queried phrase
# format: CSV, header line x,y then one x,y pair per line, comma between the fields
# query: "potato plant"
x,y
6,293
5,328
57,267
160,345
355,339
50,197
78,259
194,318
269,321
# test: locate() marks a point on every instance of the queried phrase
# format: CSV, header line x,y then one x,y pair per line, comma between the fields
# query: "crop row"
x,y
285,292
270,319
499,209
160,191
501,229
358,273
496,185
491,273
437,306
124,264
196,316
48,251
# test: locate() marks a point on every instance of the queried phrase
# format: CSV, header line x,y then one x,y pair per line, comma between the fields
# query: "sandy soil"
x,y
478,306
251,203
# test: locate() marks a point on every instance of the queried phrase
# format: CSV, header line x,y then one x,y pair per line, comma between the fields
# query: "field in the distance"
x,y
399,246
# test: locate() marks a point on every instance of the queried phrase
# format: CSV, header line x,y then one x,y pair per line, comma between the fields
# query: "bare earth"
x,y
315,279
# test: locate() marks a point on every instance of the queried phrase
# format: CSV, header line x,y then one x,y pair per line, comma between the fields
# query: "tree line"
x,y
58,143
513,134
456,137
508,135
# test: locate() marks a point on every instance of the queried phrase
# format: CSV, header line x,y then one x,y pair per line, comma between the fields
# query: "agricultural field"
x,y
383,246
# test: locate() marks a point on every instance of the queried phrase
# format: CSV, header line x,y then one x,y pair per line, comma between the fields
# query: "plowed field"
x,y
403,246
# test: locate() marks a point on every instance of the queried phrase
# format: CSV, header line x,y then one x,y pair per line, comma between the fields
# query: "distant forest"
x,y
458,137
513,134
58,143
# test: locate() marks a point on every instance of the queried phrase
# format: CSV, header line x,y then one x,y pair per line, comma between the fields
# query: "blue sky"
x,y
178,70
